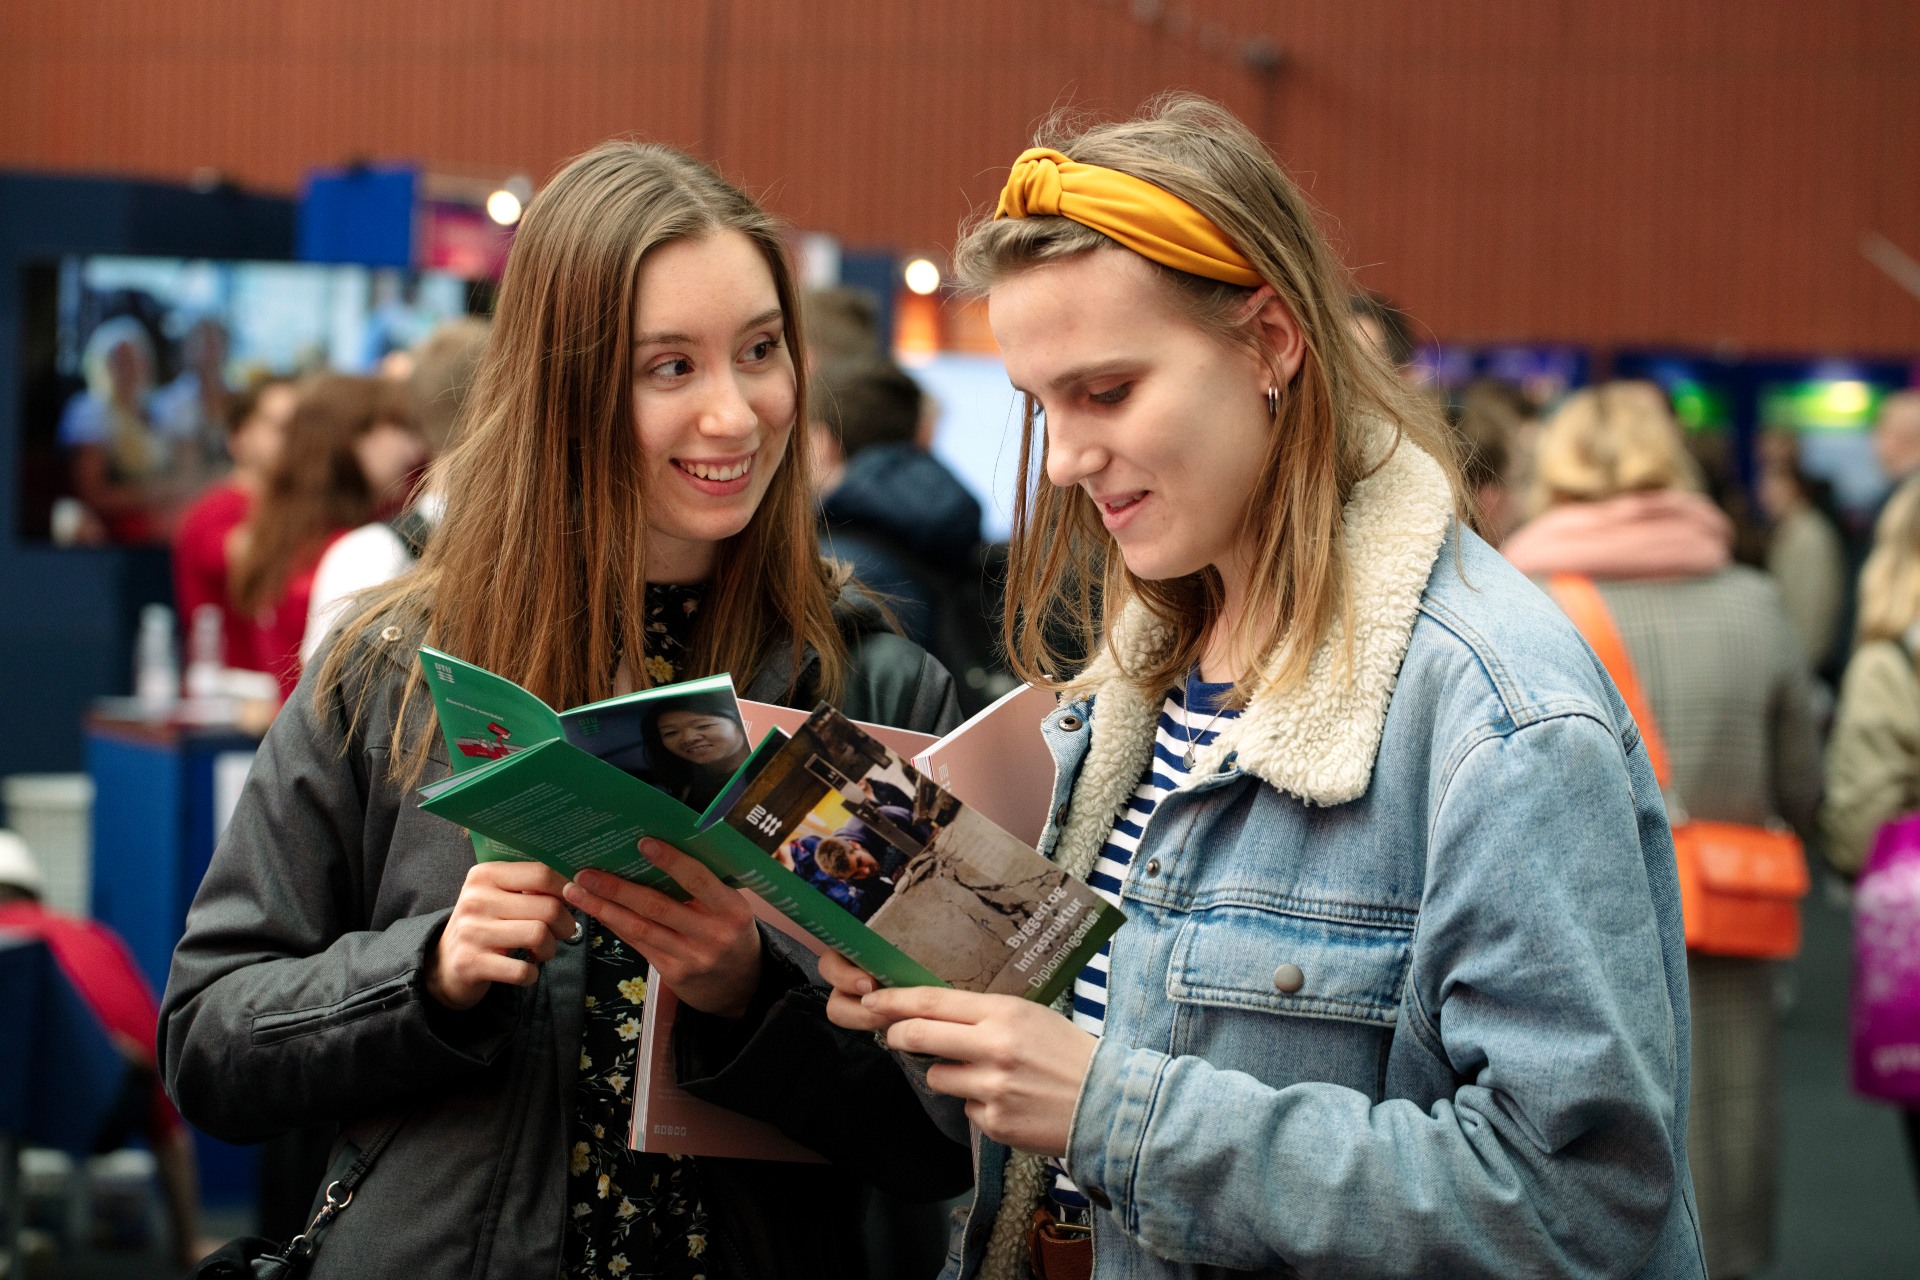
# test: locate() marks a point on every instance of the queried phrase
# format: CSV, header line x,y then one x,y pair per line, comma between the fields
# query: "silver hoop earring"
x,y
1273,404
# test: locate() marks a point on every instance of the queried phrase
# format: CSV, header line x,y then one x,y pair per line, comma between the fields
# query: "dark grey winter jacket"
x,y
296,999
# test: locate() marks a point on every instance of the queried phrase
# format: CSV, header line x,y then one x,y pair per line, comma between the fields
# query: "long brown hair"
x,y
316,487
1065,577
538,570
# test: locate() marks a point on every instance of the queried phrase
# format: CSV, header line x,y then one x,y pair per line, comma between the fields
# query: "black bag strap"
x,y
301,1248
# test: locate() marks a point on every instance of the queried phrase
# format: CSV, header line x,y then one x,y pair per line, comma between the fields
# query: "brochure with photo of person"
x,y
683,739
487,719
902,855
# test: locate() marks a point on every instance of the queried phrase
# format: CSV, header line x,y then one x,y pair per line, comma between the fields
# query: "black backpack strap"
x,y
339,1195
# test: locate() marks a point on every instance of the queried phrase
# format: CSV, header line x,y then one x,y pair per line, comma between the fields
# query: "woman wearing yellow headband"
x,y
1402,987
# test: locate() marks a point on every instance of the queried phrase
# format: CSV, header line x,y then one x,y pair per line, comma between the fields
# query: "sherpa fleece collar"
x,y
1318,740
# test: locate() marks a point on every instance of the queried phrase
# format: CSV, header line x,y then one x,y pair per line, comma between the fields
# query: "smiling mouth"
x,y
1113,506
717,472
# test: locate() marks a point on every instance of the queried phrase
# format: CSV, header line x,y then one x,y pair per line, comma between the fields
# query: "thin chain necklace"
x,y
1192,746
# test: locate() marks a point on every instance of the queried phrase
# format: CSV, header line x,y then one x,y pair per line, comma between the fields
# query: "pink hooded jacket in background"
x,y
1665,534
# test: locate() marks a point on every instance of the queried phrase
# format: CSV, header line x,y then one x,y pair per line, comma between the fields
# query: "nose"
x,y
728,414
1073,455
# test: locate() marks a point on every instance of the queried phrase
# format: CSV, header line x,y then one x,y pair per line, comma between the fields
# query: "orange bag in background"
x,y
1740,886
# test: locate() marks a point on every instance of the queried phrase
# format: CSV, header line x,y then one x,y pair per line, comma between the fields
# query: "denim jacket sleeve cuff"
x,y
1117,1101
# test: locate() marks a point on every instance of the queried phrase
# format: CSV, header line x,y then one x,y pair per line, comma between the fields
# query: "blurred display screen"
x,y
1697,388
1544,373
977,433
1699,406
1832,404
131,360
1833,417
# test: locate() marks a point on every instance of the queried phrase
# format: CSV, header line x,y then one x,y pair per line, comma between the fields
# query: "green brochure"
x,y
556,803
484,718
487,720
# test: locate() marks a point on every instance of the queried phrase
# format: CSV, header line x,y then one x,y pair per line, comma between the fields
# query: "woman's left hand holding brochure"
x,y
707,949
1017,1065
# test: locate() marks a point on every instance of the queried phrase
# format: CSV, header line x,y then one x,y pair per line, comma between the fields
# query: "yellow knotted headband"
x,y
1152,222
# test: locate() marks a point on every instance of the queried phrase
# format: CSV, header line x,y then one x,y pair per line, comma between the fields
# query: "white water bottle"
x,y
206,644
156,666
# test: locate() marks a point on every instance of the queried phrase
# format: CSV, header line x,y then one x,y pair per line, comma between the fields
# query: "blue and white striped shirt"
x,y
1181,726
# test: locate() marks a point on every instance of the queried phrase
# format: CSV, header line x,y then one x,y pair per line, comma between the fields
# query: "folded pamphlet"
x,y
928,874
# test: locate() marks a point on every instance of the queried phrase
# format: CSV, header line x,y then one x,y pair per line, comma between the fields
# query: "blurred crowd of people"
x,y
284,496
280,496
1776,640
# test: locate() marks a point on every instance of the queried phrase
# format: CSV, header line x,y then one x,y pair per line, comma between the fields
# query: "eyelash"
x,y
771,345
1113,395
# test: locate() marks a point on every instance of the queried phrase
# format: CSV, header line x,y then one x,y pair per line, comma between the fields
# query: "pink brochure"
x,y
998,764
668,1119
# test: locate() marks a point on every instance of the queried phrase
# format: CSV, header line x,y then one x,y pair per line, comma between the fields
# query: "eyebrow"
x,y
667,339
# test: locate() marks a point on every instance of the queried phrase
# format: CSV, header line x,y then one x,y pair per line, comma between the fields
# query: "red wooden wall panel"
x,y
1694,172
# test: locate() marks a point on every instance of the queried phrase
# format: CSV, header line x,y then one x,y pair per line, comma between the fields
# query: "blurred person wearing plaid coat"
x,y
1728,681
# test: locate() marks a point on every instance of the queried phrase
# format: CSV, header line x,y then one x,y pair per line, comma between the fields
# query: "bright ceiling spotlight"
x,y
503,206
922,276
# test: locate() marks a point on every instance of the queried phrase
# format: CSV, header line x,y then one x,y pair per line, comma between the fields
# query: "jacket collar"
x,y
1317,740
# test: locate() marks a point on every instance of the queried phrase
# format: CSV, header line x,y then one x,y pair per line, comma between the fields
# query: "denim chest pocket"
x,y
1263,960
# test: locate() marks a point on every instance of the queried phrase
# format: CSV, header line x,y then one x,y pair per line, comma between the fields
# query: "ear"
x,y
1278,331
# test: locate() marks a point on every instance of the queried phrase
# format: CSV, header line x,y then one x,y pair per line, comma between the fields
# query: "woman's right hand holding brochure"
x,y
1018,1066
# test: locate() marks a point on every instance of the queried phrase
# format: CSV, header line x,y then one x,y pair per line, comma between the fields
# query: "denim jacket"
x,y
1480,1066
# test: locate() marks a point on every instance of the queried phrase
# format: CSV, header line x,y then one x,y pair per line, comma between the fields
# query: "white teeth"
x,y
706,472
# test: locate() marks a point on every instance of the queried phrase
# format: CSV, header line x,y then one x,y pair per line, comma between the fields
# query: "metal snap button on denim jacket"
x,y
1402,990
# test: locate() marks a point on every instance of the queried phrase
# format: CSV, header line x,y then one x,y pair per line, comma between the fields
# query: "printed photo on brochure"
x,y
893,849
685,740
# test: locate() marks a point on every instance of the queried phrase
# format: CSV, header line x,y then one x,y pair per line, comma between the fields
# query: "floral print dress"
x,y
630,1214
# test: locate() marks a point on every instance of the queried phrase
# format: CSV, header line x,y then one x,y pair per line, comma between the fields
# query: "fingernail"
x,y
573,893
864,986
647,844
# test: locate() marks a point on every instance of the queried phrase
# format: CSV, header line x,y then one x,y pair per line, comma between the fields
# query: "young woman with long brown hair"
x,y
628,505
1402,989
348,447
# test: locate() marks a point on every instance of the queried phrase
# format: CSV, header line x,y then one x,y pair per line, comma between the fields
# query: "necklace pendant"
x,y
1187,760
